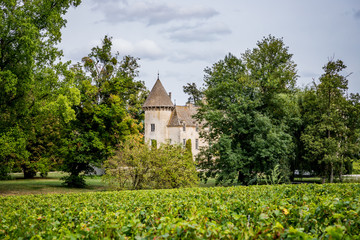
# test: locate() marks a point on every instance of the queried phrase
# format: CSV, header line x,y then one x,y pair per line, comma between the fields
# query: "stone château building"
x,y
166,122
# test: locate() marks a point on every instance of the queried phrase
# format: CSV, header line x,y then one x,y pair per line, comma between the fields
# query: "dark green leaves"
x,y
109,109
251,114
330,126
35,92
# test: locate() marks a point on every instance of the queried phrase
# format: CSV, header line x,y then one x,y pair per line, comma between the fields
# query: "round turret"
x,y
158,108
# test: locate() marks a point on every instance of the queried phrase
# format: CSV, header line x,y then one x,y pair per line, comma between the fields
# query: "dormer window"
x,y
153,127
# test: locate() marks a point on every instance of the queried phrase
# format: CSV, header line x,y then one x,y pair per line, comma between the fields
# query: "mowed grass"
x,y
53,184
50,184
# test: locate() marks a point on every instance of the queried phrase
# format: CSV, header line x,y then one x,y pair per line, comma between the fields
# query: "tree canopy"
x,y
35,89
195,94
330,134
256,120
109,110
249,110
138,166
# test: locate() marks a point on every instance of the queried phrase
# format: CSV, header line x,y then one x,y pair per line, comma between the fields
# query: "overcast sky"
x,y
180,38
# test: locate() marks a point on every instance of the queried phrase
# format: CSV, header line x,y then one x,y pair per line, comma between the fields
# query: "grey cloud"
x,y
144,49
201,32
151,13
357,14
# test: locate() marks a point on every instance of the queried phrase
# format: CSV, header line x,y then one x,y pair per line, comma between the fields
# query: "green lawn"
x,y
50,184
346,179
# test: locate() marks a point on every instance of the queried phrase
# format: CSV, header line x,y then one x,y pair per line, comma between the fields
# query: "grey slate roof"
x,y
158,97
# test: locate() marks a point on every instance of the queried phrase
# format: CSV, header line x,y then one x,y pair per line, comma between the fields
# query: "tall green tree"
x,y
32,85
270,64
331,132
250,113
195,94
352,148
110,110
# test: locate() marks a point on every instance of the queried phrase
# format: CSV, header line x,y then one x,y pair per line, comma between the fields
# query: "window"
x,y
184,127
197,127
153,127
196,143
184,142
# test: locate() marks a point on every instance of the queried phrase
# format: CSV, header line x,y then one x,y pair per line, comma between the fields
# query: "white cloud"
x,y
149,49
123,46
145,49
151,12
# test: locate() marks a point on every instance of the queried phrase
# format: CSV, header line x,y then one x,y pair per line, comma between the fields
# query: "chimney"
x,y
170,95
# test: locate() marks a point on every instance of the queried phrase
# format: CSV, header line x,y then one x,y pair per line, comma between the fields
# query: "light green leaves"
x,y
138,166
256,212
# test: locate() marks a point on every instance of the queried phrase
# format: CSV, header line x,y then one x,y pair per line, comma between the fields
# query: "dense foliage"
x,y
255,119
138,166
75,117
256,212
331,124
51,114
109,110
249,114
37,91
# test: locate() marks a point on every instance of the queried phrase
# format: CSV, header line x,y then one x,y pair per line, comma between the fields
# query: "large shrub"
x,y
138,166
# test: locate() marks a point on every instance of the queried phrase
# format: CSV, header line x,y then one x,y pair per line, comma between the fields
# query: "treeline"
x,y
58,116
55,115
257,120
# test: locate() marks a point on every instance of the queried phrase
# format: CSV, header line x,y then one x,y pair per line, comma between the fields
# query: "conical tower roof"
x,y
158,97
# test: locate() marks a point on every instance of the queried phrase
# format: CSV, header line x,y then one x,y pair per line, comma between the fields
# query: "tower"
x,y
158,108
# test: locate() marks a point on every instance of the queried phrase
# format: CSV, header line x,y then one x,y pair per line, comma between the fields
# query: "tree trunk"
x,y
323,180
324,173
341,163
331,172
28,172
341,171
241,177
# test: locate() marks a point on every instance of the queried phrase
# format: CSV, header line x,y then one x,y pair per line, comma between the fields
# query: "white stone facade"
x,y
159,118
